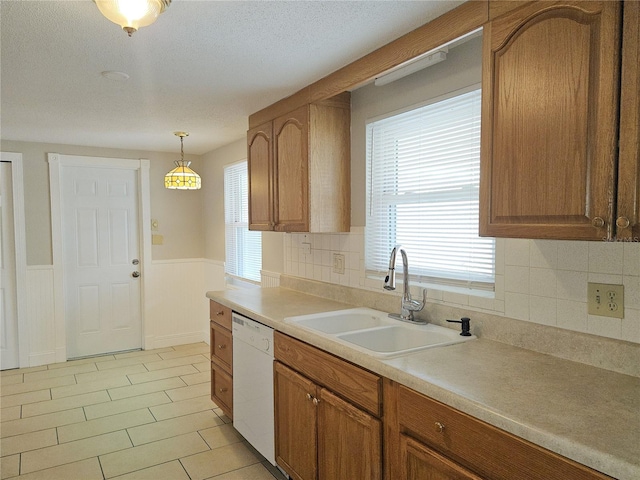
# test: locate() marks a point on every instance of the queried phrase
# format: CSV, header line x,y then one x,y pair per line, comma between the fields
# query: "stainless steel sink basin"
x,y
375,333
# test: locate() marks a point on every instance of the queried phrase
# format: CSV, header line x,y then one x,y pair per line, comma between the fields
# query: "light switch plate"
x,y
606,300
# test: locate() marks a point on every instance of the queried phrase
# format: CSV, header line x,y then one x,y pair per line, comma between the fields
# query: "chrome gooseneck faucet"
x,y
408,305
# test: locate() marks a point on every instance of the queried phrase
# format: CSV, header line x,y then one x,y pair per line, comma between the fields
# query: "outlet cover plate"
x,y
606,300
338,263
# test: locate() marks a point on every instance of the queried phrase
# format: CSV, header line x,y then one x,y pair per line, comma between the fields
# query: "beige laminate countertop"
x,y
584,413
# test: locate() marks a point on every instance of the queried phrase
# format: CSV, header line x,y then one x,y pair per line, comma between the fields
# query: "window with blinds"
x,y
423,168
243,248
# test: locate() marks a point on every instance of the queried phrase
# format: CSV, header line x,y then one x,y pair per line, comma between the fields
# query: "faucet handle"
x,y
414,305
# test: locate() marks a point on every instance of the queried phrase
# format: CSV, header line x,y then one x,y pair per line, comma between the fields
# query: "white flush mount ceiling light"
x,y
182,177
132,14
412,66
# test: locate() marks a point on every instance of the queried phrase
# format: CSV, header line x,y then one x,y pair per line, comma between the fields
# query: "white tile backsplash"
x,y
606,257
543,254
541,281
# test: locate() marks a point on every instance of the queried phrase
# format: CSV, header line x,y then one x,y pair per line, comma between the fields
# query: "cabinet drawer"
x,y
357,385
222,389
221,346
220,314
487,450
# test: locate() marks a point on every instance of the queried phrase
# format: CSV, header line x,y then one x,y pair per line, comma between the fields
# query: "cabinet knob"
x,y
597,222
221,312
315,401
622,222
222,390
309,396
439,427
220,347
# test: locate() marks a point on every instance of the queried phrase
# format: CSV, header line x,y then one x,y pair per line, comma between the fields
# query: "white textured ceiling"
x,y
203,67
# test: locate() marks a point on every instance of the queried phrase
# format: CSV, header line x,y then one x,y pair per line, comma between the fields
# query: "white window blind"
x,y
423,170
243,248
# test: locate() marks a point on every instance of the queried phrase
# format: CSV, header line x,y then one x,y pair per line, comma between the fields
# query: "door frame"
x,y
19,232
141,166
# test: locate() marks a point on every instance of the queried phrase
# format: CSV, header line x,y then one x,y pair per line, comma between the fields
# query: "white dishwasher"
x,y
253,414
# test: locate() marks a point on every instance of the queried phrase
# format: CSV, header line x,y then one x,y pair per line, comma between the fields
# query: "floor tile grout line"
x,y
101,469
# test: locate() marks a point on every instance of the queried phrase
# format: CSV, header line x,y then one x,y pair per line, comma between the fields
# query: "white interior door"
x,y
8,301
100,252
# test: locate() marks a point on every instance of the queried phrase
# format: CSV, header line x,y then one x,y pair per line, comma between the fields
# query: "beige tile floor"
x,y
128,416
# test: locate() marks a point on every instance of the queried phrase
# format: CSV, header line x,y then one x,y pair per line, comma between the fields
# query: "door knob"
x,y
135,261
135,274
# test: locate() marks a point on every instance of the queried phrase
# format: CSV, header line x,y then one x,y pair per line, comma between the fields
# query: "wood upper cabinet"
x,y
260,166
291,150
550,121
628,215
299,169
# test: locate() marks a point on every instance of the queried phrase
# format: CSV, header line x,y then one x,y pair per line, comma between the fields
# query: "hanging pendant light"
x,y
132,14
182,177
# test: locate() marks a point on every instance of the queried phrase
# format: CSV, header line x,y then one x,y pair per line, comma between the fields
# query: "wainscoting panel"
x,y
41,315
177,310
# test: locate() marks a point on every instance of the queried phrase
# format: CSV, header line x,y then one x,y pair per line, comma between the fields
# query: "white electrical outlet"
x,y
338,263
605,299
306,248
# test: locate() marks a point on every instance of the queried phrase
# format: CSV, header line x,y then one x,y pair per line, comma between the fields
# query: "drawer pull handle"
x,y
222,390
221,346
439,427
221,312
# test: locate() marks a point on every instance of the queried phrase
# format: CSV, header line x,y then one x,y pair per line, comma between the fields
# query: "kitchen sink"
x,y
401,339
373,332
342,321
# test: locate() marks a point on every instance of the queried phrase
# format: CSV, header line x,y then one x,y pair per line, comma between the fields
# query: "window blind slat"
x,y
423,169
243,248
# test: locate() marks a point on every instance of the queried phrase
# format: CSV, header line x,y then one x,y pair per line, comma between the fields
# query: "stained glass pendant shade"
x,y
182,177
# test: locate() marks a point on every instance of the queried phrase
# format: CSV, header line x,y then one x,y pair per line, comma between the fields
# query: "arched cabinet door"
x,y
292,171
260,160
550,119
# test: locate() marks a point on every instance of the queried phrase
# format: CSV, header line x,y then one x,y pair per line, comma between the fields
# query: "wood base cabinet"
x,y
419,462
320,435
296,424
221,350
426,439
